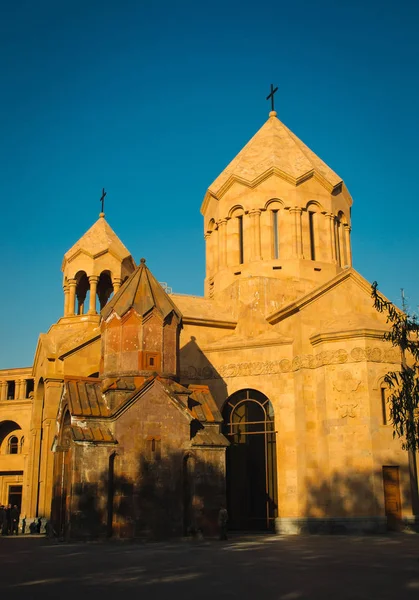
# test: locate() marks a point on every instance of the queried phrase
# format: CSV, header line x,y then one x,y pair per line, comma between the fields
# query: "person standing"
x,y
9,518
222,522
3,520
15,515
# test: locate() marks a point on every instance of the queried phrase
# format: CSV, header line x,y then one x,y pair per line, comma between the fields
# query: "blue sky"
x,y
152,99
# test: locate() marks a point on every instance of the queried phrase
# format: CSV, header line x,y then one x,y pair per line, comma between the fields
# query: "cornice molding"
x,y
347,334
220,324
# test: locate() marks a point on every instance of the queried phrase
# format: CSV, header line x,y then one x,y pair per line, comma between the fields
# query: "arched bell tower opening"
x,y
249,425
82,289
104,288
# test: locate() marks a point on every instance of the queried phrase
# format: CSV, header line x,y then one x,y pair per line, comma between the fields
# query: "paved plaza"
x,y
268,567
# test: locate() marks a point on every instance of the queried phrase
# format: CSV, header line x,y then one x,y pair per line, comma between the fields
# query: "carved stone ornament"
x,y
304,361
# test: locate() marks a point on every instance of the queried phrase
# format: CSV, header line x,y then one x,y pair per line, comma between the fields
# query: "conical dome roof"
x,y
97,240
142,292
274,148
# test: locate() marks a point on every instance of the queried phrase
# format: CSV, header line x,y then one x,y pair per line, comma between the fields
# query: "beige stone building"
x,y
285,340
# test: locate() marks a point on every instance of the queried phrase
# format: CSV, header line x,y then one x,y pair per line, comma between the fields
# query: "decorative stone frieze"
x,y
304,361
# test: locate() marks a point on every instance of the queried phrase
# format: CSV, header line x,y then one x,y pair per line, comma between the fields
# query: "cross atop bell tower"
x,y
102,200
271,96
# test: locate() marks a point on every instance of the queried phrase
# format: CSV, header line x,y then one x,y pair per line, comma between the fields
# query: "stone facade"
x,y
285,344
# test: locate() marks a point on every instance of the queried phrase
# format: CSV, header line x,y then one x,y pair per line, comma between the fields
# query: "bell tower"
x,y
276,211
93,269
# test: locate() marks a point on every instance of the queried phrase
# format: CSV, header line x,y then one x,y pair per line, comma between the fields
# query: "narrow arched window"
x,y
384,407
337,239
153,448
312,238
13,445
275,234
241,248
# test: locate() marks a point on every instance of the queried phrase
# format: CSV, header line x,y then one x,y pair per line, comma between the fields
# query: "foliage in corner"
x,y
403,385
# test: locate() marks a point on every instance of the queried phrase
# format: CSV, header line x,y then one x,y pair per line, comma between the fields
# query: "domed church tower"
x,y
276,211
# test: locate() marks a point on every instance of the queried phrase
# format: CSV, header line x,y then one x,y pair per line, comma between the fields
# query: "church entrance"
x,y
251,461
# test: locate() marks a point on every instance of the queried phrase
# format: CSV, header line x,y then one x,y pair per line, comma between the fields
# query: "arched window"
x,y
275,234
312,235
241,247
385,412
13,445
235,233
8,431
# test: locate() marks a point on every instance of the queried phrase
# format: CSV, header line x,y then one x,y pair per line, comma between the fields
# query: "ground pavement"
x,y
259,567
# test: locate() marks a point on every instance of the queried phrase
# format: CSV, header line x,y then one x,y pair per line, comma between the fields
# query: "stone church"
x,y
145,411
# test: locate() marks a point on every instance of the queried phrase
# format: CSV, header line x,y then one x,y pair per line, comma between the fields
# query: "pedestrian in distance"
x,y
222,522
3,520
14,516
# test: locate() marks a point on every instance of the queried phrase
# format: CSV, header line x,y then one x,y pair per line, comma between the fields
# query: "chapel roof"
x,y
142,292
97,240
85,397
274,148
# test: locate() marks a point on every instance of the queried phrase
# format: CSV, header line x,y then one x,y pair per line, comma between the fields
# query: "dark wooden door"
x,y
392,500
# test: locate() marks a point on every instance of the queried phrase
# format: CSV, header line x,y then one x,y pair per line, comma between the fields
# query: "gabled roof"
x,y
97,240
299,304
142,292
274,148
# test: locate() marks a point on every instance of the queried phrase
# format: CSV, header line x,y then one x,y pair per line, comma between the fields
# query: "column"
x,y
66,289
255,232
93,281
348,245
208,254
3,390
72,283
222,239
297,232
332,242
213,241
116,282
20,389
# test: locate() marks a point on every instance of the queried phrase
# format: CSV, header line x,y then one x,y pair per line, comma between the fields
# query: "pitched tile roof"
x,y
142,292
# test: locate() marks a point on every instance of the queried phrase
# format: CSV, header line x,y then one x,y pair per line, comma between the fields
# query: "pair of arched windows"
x,y
14,445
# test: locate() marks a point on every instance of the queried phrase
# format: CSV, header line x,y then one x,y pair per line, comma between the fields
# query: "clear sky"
x,y
152,100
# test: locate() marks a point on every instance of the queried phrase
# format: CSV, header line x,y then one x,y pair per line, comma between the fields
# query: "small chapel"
x,y
146,411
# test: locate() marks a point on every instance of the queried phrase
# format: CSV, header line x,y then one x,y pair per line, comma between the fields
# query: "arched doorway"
x,y
251,461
